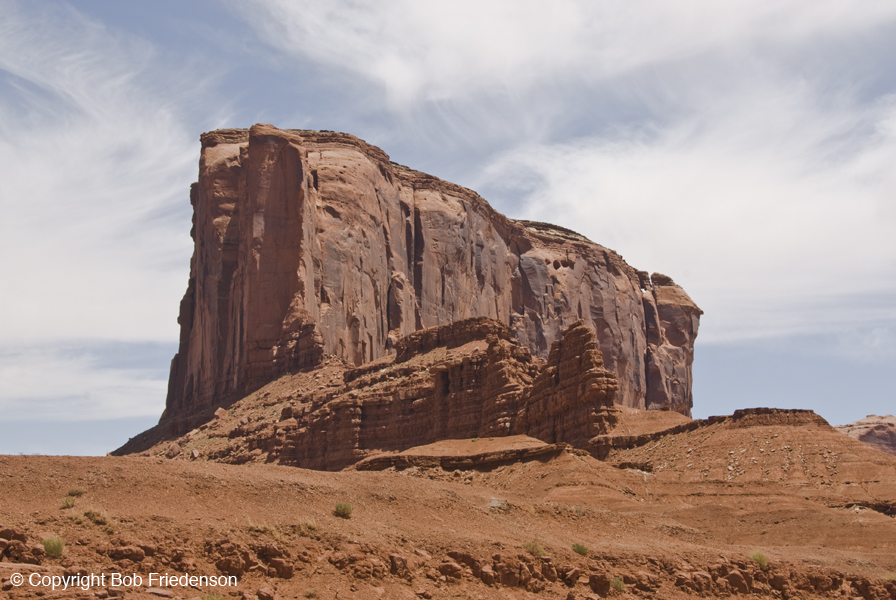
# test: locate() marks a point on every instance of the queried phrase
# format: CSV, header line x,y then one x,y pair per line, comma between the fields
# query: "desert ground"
x,y
679,517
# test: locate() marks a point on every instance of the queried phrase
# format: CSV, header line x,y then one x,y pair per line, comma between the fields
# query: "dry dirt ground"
x,y
678,517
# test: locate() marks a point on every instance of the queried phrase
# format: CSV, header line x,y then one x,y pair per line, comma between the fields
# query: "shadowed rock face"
x,y
310,244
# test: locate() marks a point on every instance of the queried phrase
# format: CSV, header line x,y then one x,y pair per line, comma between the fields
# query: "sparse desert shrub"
x,y
68,502
306,526
580,549
253,527
617,584
101,518
311,593
98,517
53,546
276,532
534,548
475,440
77,492
343,511
212,596
760,559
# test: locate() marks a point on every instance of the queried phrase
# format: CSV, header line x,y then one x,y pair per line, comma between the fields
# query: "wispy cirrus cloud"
x,y
441,50
95,201
776,213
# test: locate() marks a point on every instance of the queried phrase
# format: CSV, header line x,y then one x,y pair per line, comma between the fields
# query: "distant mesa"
x,y
874,430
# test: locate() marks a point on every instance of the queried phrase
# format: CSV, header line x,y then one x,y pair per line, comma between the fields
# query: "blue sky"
x,y
745,149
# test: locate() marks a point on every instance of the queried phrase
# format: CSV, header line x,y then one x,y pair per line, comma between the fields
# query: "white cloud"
x,y
442,50
96,184
775,213
76,383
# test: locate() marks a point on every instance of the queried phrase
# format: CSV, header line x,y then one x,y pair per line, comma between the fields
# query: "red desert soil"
x,y
679,521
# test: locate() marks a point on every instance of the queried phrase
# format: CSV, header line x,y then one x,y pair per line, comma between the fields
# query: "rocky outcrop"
x,y
483,388
571,399
874,430
466,380
313,244
672,320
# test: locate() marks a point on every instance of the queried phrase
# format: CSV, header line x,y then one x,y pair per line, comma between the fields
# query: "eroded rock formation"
x,y
465,379
309,244
874,430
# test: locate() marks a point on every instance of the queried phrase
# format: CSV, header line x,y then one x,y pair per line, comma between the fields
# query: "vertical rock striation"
x,y
313,243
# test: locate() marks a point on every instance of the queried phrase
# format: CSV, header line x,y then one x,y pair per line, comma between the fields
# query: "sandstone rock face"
x,y
874,430
310,244
571,399
470,388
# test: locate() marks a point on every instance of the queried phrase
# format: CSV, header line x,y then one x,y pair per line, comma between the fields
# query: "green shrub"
x,y
77,492
68,502
760,559
212,596
617,584
343,510
53,546
580,549
311,593
534,548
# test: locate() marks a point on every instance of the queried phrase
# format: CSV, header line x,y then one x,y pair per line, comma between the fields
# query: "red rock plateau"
x,y
878,431
311,245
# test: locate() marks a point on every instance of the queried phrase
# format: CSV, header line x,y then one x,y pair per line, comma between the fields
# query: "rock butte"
x,y
312,244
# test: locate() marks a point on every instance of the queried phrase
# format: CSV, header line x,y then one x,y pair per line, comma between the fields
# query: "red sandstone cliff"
x,y
313,243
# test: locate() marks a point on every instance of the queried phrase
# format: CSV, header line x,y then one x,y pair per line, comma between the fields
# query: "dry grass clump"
x,y
306,527
97,517
617,584
53,546
534,548
76,492
277,532
68,502
343,511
